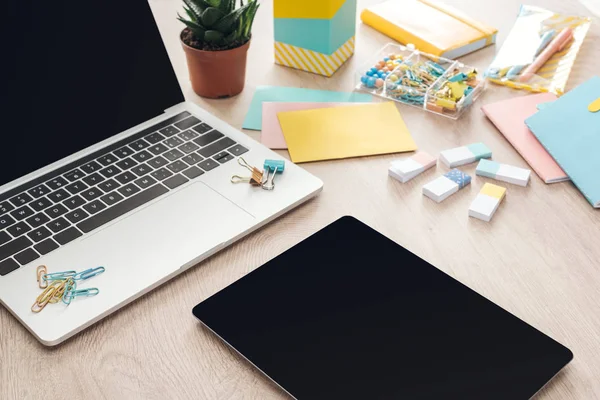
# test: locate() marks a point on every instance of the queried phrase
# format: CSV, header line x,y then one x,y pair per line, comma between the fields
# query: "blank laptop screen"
x,y
75,73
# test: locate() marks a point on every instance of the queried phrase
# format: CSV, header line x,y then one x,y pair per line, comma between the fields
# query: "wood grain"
x,y
538,258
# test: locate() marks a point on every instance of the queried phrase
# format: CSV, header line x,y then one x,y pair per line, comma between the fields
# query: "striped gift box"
x,y
314,35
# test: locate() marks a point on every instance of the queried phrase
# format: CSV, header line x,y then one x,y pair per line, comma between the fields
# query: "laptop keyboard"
x,y
51,211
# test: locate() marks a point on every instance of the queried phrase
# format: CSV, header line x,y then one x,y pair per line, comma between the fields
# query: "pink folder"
x,y
271,134
509,117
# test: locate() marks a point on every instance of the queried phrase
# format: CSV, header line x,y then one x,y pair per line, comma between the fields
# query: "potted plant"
x,y
216,41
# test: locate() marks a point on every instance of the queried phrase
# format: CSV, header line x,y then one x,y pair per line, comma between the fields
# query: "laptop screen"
x,y
75,73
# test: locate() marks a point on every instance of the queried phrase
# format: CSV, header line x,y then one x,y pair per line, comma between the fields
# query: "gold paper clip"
x,y
40,272
48,295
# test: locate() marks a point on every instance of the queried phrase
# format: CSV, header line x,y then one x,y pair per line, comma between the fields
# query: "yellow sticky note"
x,y
343,132
495,191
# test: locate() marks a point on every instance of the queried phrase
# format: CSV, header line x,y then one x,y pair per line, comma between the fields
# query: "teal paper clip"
x,y
460,77
88,273
71,292
59,276
274,165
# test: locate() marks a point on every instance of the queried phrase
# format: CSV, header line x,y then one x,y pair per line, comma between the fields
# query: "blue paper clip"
x,y
58,276
71,292
274,165
88,273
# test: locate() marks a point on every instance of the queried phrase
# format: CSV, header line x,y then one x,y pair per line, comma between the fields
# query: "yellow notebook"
x,y
432,27
343,132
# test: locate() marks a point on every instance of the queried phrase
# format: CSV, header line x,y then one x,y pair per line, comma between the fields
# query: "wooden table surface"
x,y
538,258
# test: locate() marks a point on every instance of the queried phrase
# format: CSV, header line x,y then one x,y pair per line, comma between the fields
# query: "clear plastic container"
x,y
436,84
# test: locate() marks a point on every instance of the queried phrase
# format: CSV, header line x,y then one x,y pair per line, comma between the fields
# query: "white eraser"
x,y
443,187
405,170
465,155
487,202
503,172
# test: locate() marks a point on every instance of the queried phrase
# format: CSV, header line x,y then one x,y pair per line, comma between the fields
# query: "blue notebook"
x,y
569,129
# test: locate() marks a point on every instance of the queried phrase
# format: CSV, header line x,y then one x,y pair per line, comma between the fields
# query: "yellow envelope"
x,y
342,132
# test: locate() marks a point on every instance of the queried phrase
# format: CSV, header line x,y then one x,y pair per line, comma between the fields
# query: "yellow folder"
x,y
343,132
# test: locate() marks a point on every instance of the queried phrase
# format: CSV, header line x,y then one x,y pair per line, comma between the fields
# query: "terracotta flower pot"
x,y
217,74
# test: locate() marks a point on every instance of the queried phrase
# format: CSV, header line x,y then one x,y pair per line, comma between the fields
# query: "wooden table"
x,y
538,258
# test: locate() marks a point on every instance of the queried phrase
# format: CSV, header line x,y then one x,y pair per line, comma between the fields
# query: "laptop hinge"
x,y
173,108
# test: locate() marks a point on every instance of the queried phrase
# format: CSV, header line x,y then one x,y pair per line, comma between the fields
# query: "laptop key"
x,y
126,163
58,225
169,131
76,187
27,256
39,191
129,190
142,169
227,157
122,208
142,156
39,234
18,229
158,148
5,207
22,213
91,193
56,183
13,247
188,135
21,199
8,266
202,128
109,185
74,202
208,165
145,182
40,204
73,175
173,142
111,171
139,144
125,177
6,221
94,207
107,159
76,216
67,235
93,179
158,162
188,148
193,158
193,172
208,138
111,198
4,237
37,220
154,138
175,181
56,211
216,147
161,173
123,152
173,155
187,123
91,167
177,166
46,246
59,195
238,150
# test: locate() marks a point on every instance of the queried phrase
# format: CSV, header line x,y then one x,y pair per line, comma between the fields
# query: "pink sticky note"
x,y
271,135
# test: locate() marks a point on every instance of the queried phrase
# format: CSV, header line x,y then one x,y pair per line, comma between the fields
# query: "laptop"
x,y
105,164
349,314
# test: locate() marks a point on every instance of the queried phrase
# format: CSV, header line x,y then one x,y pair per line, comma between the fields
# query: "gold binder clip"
x,y
257,175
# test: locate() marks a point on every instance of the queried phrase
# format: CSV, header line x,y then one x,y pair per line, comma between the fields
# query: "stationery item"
x,y
274,166
487,202
445,186
364,318
405,170
271,134
253,120
40,272
433,27
558,44
509,118
570,132
314,35
436,84
465,155
503,172
71,292
594,105
540,50
256,179
342,132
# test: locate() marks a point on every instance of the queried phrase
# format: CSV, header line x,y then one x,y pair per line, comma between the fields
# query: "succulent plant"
x,y
220,22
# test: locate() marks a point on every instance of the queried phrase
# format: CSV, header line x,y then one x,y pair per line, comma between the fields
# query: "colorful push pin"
x,y
594,105
277,166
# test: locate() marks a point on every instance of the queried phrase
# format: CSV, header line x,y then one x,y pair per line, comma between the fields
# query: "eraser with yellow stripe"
x,y
487,202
